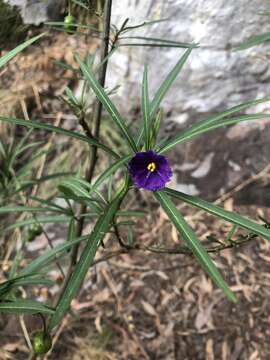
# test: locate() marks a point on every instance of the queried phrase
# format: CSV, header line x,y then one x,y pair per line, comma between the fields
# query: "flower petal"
x,y
149,180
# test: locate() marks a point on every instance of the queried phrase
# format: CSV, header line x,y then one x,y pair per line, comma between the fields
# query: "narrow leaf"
x,y
145,23
50,255
32,209
9,285
107,103
42,220
165,86
111,170
7,57
160,41
146,108
71,230
223,214
25,307
167,83
200,129
193,243
101,228
253,41
58,130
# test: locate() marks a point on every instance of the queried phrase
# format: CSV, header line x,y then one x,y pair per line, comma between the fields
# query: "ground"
x,y
142,305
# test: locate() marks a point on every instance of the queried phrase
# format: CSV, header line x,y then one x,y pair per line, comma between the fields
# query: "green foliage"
x,y
102,226
257,39
100,199
192,242
221,213
25,306
254,41
6,58
58,130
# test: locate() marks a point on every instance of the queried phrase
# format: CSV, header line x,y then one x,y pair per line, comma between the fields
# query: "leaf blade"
x,y
101,227
218,211
253,41
50,255
107,103
146,108
111,170
58,130
25,307
7,57
165,86
198,130
193,243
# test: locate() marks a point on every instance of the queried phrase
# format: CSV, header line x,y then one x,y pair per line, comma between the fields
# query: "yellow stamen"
x,y
151,167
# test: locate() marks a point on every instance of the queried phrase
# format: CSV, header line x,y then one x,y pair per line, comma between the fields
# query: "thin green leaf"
x,y
167,83
107,103
253,41
101,228
192,242
129,213
161,41
30,183
32,209
73,189
65,66
24,170
42,220
111,170
20,150
75,25
71,230
71,97
264,13
49,203
145,23
198,130
9,285
165,86
25,307
80,3
146,108
58,130
221,213
50,255
150,45
7,57
89,187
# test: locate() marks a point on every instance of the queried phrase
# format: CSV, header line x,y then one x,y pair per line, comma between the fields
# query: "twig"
x,y
25,332
126,249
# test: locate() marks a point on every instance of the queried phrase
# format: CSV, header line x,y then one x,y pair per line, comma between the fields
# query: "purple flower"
x,y
149,170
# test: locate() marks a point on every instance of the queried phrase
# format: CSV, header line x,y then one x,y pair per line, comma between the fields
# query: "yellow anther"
x,y
151,167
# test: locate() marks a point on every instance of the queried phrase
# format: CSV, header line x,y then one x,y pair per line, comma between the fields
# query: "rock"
x,y
36,12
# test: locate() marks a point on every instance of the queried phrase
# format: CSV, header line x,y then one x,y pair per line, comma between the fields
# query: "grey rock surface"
x,y
37,11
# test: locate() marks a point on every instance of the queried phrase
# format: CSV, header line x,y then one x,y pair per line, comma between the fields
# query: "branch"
x,y
126,249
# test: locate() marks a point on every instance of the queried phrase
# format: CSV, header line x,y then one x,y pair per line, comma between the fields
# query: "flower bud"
x,y
41,342
69,24
34,231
